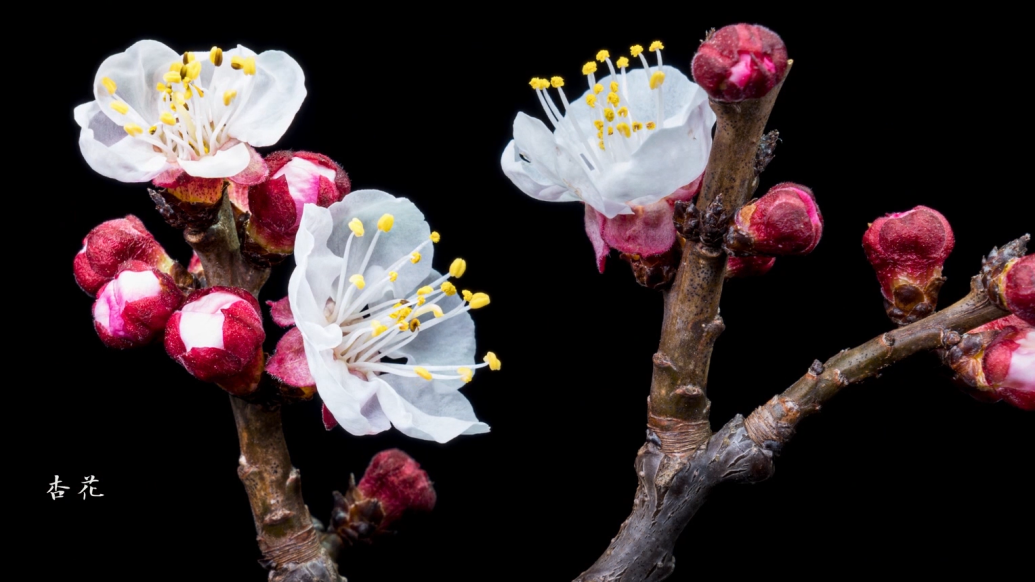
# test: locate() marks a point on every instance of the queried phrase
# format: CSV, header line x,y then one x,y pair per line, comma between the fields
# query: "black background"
x,y
880,114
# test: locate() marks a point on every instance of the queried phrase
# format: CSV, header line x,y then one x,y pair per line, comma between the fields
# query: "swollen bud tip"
x,y
740,61
786,221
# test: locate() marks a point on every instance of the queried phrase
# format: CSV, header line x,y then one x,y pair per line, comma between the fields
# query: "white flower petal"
x,y
353,401
312,278
408,232
111,152
529,180
221,164
136,73
276,94
421,409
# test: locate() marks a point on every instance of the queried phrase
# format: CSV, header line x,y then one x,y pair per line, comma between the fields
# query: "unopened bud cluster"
x,y
997,361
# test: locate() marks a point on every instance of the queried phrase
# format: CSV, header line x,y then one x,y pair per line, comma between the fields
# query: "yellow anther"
x,y
656,46
385,222
378,327
598,88
610,131
466,295
623,128
193,70
358,281
466,374
415,258
449,289
457,268
479,300
491,359
622,62
188,93
420,300
179,98
600,134
556,82
534,83
657,79
392,276
184,72
612,98
614,86
591,100
400,314
623,112
175,67
425,290
109,85
650,125
247,65
635,50
601,144
120,107
172,77
237,63
603,55
168,118
151,130
200,92
598,124
435,236
133,129
609,114
356,226
589,68
422,372
161,88
228,96
637,126
216,56
188,58
435,309
414,324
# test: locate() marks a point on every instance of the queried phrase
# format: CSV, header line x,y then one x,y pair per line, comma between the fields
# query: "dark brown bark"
x,y
292,547
678,402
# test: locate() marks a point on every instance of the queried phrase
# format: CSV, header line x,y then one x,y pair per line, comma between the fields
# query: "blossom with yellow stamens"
x,y
205,111
644,140
387,340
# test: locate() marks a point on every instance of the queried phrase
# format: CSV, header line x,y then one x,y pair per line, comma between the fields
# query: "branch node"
x,y
766,152
816,368
663,361
950,338
772,424
678,437
888,340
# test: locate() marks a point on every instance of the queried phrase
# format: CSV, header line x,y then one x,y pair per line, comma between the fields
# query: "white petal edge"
x,y
275,97
222,164
111,152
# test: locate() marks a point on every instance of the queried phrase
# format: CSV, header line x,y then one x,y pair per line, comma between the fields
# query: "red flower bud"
x,y
998,360
296,178
907,250
748,266
216,334
112,243
398,482
786,221
134,307
740,61
1013,287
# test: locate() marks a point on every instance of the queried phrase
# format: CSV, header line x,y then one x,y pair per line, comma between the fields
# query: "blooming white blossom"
x,y
633,138
366,300
157,110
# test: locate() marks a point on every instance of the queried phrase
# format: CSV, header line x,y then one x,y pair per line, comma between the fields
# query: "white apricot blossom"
x,y
388,339
156,110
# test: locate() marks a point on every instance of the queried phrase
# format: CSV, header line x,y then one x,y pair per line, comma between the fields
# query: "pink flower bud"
x,y
907,250
133,308
786,221
398,482
998,360
740,61
1013,287
296,178
112,243
216,334
748,266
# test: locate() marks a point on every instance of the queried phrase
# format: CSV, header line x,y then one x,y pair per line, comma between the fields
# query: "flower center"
x,y
194,115
618,132
373,332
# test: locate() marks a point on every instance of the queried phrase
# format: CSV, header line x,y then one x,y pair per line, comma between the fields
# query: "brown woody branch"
x,y
678,405
292,547
672,487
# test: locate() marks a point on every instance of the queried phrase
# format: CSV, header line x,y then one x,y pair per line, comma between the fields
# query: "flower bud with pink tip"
x,y
740,61
393,484
998,361
112,243
217,336
786,221
907,250
296,179
1012,287
134,307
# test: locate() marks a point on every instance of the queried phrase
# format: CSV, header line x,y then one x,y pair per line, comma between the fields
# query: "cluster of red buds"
x,y
907,250
392,485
